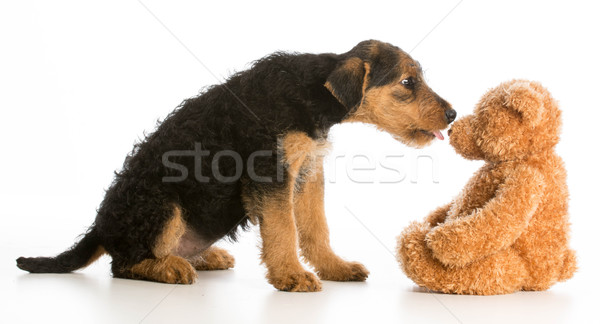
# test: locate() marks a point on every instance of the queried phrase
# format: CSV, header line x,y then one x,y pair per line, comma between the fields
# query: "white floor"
x,y
242,295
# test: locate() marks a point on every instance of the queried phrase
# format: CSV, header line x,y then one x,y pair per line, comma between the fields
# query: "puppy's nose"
x,y
450,115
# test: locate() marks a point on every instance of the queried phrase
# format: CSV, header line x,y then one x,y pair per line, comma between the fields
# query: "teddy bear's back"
x,y
544,243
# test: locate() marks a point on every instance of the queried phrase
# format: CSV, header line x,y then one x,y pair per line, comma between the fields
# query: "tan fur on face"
x,y
508,230
410,120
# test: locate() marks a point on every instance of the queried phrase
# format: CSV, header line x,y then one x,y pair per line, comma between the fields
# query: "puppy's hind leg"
x,y
314,233
168,269
165,266
213,258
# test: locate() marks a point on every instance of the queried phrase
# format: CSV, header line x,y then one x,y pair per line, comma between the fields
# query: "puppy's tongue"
x,y
439,135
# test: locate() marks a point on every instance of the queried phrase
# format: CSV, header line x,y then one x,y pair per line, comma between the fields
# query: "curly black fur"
x,y
280,93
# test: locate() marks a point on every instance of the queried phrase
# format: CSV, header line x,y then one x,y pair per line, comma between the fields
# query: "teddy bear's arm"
x,y
492,228
438,216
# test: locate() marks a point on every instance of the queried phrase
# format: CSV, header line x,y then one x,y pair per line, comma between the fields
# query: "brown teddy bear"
x,y
508,229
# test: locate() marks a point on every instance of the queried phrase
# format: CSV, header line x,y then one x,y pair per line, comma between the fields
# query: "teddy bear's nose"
x,y
450,115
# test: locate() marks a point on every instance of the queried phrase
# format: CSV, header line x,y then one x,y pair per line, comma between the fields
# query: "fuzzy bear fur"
x,y
508,229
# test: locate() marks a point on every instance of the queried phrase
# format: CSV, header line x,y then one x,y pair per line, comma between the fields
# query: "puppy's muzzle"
x,y
450,115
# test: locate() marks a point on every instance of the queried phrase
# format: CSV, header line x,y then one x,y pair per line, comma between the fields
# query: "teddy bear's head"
x,y
517,119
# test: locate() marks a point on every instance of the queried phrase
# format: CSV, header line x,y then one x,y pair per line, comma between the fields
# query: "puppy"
x,y
249,151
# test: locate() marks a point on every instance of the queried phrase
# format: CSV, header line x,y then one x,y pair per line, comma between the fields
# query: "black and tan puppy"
x,y
246,151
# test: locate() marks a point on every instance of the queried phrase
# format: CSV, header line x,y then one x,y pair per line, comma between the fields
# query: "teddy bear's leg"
x,y
569,266
547,271
504,272
414,258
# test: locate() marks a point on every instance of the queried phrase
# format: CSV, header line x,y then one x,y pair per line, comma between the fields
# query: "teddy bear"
x,y
508,229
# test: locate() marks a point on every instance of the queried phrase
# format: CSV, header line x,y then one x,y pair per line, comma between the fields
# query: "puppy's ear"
x,y
527,98
348,81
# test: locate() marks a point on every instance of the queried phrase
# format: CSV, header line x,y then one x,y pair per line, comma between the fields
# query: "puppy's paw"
x,y
170,269
296,282
178,271
345,271
214,259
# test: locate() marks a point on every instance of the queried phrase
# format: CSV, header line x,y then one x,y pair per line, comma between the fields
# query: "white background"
x,y
81,81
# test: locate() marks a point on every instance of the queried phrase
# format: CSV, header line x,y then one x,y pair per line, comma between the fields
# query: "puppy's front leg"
x,y
314,234
277,224
279,248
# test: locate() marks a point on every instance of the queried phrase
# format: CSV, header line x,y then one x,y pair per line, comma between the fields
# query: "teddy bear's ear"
x,y
526,98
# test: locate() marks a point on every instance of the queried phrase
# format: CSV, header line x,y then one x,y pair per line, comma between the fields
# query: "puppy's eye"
x,y
408,82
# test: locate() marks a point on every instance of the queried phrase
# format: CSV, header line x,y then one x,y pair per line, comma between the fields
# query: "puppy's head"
x,y
382,85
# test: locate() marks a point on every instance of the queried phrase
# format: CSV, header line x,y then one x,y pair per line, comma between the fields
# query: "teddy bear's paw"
x,y
411,242
447,248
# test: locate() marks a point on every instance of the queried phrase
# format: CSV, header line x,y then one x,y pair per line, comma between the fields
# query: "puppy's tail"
x,y
82,254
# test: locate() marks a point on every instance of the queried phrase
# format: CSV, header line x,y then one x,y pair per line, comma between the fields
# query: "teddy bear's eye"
x,y
408,82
